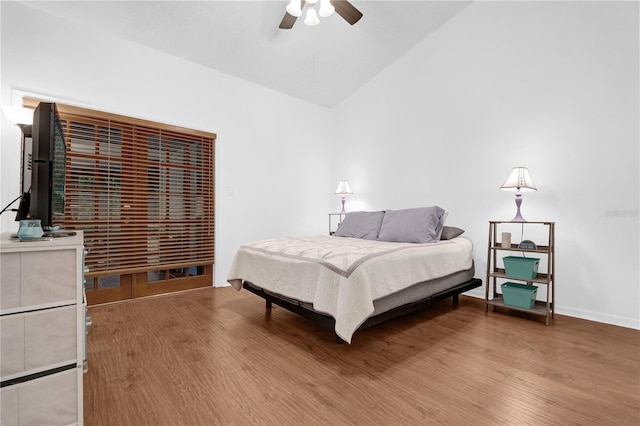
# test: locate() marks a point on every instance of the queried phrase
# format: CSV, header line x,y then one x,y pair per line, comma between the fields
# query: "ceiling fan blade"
x,y
288,19
347,11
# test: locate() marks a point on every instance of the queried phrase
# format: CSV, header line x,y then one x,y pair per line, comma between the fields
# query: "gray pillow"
x,y
365,225
419,225
450,232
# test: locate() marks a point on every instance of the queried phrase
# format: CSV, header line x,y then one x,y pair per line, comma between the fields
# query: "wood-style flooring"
x,y
215,356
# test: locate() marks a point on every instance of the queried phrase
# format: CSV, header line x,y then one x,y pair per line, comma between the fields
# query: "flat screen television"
x,y
49,152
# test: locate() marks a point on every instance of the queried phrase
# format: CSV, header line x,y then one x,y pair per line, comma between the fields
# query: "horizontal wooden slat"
x,y
100,116
142,192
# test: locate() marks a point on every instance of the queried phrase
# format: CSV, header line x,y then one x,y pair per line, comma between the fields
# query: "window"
x,y
143,193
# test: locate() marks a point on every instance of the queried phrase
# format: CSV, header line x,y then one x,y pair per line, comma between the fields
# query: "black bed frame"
x,y
329,322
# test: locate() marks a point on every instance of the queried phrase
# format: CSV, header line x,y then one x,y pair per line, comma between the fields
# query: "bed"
x,y
365,273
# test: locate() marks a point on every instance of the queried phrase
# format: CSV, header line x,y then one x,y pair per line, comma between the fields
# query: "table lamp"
x,y
519,181
343,189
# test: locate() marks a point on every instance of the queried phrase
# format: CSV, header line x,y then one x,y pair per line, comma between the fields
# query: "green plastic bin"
x,y
519,295
524,268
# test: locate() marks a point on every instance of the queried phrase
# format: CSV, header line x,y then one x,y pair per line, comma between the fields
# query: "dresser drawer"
x,y
39,340
49,400
37,278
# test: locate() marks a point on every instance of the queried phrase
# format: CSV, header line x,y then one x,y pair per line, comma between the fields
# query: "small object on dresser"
x,y
519,295
30,228
506,240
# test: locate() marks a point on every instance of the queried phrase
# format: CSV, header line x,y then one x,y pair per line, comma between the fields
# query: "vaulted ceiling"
x,y
323,64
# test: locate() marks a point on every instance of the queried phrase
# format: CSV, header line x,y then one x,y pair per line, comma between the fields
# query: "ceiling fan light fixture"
x,y
312,17
294,8
326,8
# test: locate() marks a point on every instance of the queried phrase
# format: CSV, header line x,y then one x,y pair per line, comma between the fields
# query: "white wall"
x,y
274,171
552,86
548,85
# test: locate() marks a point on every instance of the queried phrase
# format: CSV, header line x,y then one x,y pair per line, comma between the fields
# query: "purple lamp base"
x,y
343,210
518,217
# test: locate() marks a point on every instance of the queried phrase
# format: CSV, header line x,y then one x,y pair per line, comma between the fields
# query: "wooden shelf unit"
x,y
496,275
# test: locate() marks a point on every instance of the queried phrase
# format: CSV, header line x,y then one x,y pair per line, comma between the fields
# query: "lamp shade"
x,y
312,17
18,115
294,8
343,188
326,8
519,181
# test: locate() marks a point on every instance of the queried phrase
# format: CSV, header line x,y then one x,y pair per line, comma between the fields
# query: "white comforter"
x,y
343,276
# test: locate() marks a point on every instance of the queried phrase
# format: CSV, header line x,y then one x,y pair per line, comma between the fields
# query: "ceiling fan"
x,y
327,7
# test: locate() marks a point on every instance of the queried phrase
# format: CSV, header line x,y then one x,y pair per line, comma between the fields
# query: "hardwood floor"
x,y
215,356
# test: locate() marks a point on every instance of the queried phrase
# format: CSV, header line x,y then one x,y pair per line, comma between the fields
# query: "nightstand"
x,y
335,217
546,277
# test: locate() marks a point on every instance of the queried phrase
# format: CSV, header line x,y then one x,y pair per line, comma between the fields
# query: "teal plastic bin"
x,y
524,268
519,295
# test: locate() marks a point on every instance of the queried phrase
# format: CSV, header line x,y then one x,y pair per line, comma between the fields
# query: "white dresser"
x,y
42,331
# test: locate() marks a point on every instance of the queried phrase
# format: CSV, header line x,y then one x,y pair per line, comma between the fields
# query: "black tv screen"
x,y
48,166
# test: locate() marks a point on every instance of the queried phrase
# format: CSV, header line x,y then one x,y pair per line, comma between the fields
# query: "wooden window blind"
x,y
142,192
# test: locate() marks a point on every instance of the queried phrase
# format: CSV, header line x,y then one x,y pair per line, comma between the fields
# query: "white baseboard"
x,y
562,310
580,313
599,317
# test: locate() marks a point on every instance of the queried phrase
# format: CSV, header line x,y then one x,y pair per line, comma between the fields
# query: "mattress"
x,y
347,277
